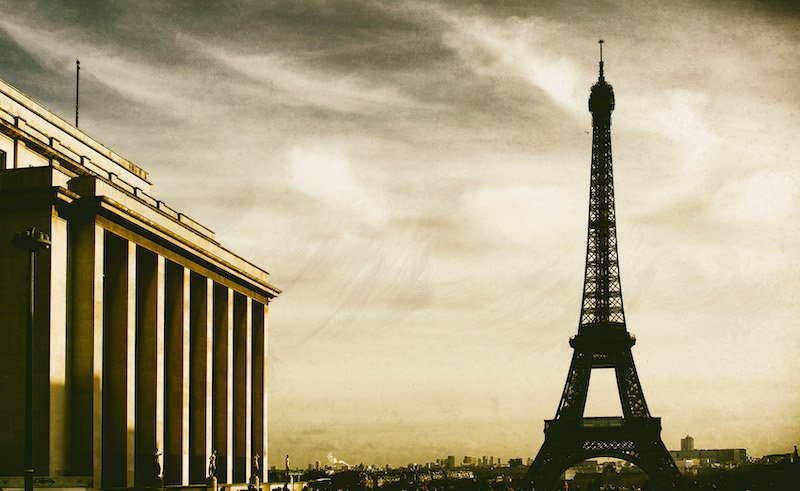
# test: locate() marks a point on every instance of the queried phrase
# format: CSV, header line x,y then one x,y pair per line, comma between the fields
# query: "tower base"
x,y
636,440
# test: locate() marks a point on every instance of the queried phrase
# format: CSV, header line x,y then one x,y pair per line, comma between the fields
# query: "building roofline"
x,y
50,117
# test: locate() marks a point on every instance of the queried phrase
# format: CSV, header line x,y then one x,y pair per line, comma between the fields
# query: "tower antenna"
x,y
77,89
600,42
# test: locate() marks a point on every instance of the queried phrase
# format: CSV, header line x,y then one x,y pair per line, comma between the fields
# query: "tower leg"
x,y
630,389
550,463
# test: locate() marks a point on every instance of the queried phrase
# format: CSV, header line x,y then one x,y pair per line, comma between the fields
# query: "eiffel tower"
x,y
603,341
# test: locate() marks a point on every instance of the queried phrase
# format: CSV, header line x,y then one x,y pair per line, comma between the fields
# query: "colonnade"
x,y
162,358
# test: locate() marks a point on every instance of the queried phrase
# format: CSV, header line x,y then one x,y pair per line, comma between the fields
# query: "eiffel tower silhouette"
x,y
603,341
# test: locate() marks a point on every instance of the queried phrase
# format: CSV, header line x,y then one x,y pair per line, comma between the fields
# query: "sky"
x,y
415,174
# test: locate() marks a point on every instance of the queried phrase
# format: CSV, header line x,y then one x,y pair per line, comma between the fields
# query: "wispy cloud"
x,y
328,175
155,86
515,47
528,215
298,85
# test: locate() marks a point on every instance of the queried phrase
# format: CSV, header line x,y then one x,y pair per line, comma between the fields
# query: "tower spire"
x,y
600,42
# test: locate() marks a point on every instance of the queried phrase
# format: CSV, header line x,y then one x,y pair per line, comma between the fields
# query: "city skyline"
x,y
415,176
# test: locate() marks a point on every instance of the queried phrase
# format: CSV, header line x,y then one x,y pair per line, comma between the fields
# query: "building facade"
x,y
149,336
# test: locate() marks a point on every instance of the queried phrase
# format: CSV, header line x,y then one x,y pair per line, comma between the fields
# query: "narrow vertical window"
x,y
2,160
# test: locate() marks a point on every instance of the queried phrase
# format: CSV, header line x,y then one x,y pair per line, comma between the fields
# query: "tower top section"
x,y
601,98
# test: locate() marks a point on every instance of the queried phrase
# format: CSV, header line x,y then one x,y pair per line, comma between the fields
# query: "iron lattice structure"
x,y
602,341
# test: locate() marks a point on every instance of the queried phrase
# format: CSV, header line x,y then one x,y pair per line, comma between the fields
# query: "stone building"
x,y
149,335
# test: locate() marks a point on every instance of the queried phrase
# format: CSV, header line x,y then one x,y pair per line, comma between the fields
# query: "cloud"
x,y
767,198
300,85
328,175
149,84
556,77
678,114
528,215
517,47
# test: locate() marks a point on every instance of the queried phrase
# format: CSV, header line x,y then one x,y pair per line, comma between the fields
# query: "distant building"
x,y
149,335
776,458
626,477
451,462
587,467
690,458
734,456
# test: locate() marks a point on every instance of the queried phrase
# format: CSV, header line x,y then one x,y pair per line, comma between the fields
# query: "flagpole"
x,y
77,89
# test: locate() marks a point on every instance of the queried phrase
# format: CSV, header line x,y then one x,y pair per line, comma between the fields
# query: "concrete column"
x,y
119,362
259,384
59,403
266,384
149,371
86,255
130,385
222,431
176,383
209,366
242,386
160,360
248,388
200,342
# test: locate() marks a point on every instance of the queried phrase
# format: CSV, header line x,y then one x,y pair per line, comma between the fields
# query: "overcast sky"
x,y
415,177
